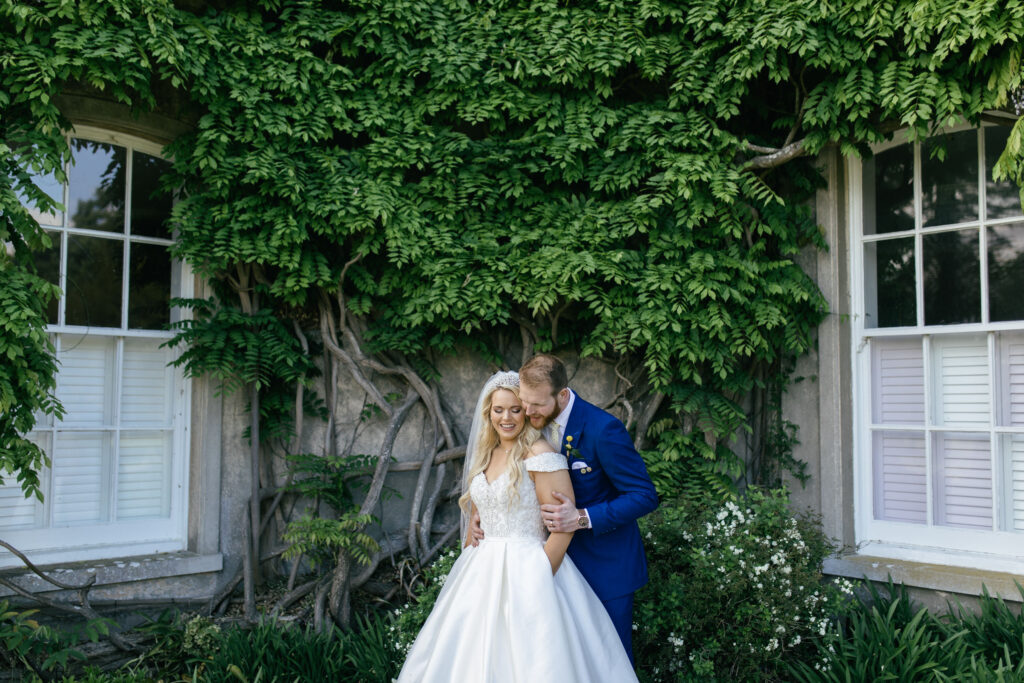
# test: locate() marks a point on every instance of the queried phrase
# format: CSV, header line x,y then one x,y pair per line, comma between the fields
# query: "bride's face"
x,y
507,414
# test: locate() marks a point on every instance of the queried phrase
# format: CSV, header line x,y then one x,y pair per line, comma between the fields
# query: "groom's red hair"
x,y
543,368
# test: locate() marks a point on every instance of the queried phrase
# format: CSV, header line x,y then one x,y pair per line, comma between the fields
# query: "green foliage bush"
x,y
887,638
325,479
199,650
272,651
94,675
26,644
735,590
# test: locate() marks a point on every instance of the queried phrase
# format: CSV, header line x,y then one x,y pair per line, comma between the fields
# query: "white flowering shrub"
x,y
735,589
408,619
201,637
887,637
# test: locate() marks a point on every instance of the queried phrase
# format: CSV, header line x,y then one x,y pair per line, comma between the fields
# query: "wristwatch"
x,y
584,520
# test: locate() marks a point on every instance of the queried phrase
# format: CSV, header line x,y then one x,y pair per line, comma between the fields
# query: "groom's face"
x,y
542,404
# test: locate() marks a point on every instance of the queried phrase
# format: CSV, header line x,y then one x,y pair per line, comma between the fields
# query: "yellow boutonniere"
x,y
568,448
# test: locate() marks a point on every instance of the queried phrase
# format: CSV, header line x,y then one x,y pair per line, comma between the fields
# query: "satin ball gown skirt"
x,y
501,617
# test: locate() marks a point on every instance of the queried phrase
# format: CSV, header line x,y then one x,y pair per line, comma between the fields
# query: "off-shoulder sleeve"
x,y
546,462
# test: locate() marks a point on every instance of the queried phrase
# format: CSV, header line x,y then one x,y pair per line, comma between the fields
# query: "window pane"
x,y
150,206
85,383
94,281
96,186
55,191
1013,482
963,480
81,474
143,475
889,276
962,390
898,378
146,391
950,187
899,473
48,266
889,191
1002,199
952,291
1006,272
149,287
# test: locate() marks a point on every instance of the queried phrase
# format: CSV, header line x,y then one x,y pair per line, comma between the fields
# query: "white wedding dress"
x,y
501,616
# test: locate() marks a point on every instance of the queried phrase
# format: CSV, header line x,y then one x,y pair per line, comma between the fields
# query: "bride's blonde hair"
x,y
487,442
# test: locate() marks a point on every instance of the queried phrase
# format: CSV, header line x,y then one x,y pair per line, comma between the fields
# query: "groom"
x,y
610,482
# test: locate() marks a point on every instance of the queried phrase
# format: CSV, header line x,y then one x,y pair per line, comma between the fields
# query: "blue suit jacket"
x,y
610,480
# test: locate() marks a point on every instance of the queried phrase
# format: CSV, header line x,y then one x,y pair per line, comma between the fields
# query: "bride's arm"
x,y
547,483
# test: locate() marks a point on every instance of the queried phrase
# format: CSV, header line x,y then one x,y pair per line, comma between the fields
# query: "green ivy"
x,y
27,371
597,169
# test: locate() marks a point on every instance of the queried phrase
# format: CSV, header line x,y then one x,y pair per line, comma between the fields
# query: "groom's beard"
x,y
544,420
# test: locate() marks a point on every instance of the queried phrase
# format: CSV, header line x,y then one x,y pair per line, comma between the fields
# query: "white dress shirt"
x,y
556,431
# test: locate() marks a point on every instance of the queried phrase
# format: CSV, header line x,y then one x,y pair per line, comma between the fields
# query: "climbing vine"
x,y
625,180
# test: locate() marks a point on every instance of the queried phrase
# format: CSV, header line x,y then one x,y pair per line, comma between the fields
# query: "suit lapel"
x,y
574,427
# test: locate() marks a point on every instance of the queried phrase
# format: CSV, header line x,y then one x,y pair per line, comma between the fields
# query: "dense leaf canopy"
x,y
629,178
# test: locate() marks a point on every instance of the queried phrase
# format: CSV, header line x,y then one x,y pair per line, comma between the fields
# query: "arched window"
x,y
116,484
938,297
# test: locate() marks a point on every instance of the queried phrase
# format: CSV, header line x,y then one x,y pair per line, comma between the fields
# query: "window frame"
x,y
113,538
991,549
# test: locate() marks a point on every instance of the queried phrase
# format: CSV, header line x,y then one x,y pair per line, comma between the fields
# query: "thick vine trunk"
x,y
339,603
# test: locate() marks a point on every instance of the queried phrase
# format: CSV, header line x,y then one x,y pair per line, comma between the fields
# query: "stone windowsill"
x,y
115,571
937,577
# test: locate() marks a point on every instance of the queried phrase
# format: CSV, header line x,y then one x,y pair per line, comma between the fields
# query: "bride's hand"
x,y
476,533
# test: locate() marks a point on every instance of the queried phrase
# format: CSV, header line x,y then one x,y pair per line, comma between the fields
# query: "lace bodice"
x,y
501,514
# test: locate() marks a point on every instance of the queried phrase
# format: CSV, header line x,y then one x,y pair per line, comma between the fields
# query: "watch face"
x,y
583,522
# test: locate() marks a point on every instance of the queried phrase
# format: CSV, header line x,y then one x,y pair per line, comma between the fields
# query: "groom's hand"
x,y
476,533
561,518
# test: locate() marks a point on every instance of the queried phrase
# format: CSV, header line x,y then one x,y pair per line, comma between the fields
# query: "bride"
x,y
515,608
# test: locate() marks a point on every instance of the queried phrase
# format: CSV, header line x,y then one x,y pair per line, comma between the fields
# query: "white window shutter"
x,y
16,511
85,385
146,393
963,476
81,472
962,387
1011,351
900,490
1013,482
897,367
143,475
